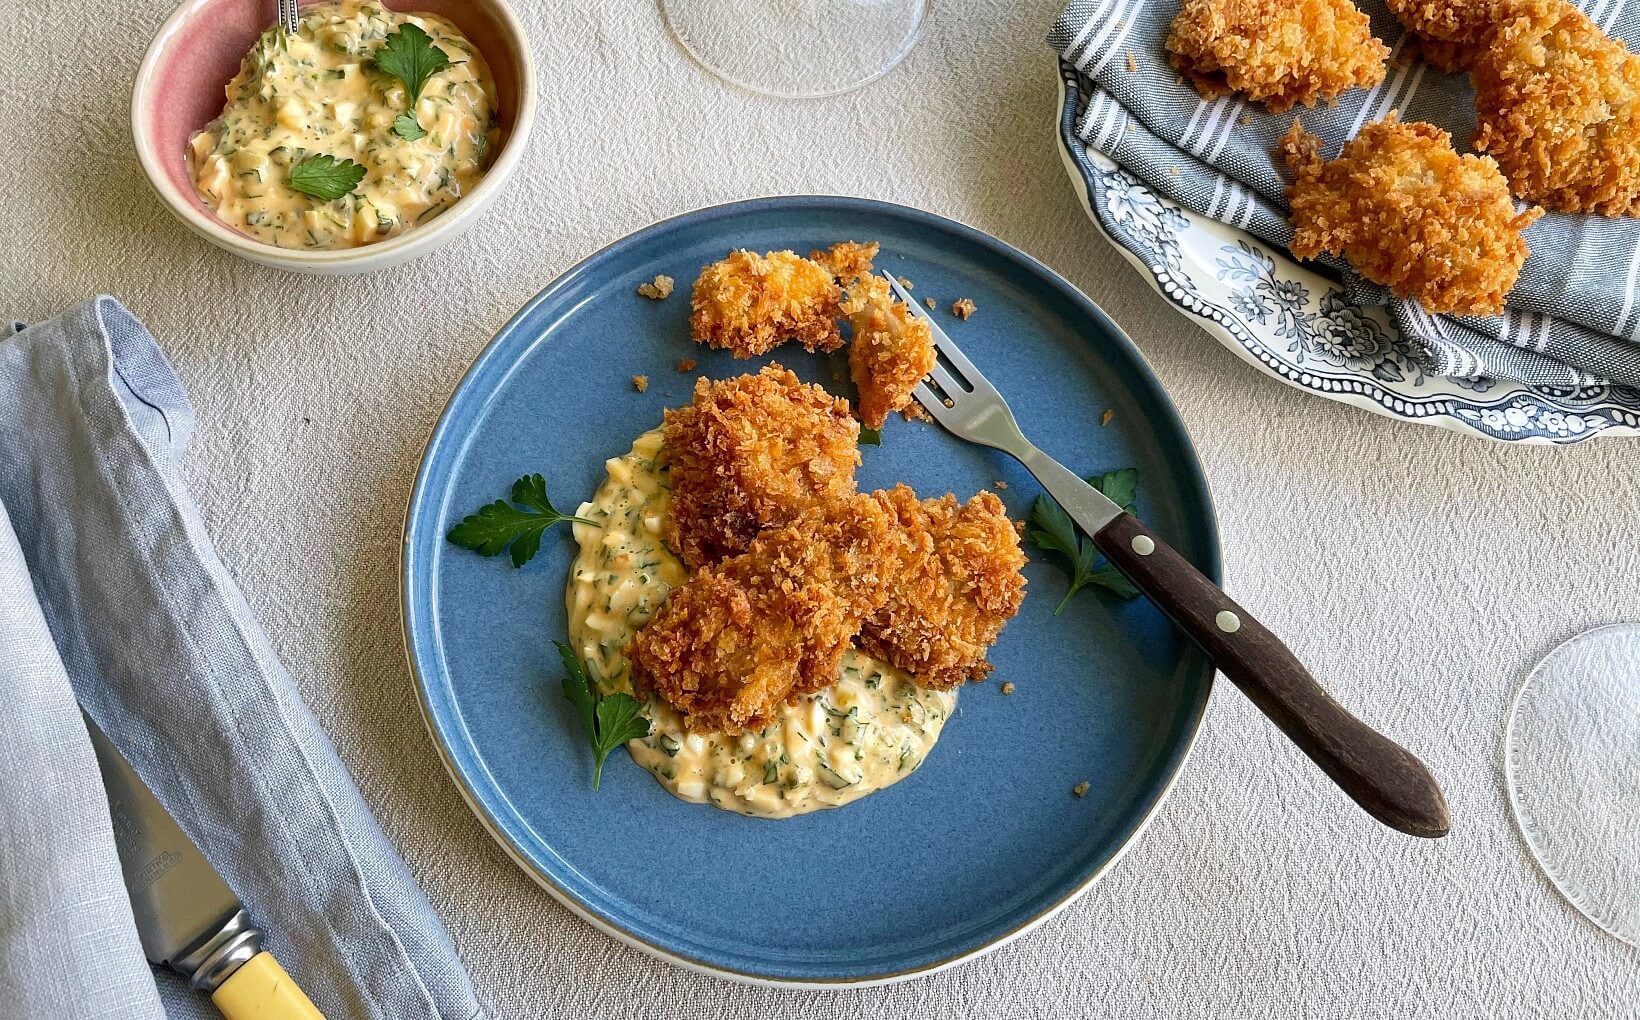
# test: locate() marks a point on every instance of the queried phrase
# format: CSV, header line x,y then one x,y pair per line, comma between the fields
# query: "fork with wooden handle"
x,y
1377,773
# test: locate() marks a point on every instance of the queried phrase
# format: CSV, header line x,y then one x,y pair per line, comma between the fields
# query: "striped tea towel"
x,y
1573,318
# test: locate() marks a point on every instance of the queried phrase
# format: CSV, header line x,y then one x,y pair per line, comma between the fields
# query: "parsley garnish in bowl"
x,y
325,177
409,55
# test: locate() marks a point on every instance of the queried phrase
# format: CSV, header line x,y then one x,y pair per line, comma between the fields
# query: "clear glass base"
x,y
1572,765
798,49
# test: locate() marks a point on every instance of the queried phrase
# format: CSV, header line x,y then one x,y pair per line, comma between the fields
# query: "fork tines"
x,y
960,379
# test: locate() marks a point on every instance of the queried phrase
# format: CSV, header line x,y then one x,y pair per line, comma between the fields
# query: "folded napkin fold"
x,y
1573,318
111,595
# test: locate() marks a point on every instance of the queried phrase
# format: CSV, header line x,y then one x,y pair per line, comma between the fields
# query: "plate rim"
x,y
1355,390
409,616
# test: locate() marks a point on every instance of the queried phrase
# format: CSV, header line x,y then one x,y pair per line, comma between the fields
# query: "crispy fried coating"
x,y
958,580
1558,106
1450,34
1444,56
1410,213
891,350
749,304
751,453
1278,52
744,636
847,260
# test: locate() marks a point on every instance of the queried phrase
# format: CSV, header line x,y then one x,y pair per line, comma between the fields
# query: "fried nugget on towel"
x,y
1410,213
1277,52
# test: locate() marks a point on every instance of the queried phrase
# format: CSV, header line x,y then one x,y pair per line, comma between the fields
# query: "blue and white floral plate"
x,y
1295,324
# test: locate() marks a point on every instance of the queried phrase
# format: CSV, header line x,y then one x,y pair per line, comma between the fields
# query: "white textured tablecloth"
x,y
1419,573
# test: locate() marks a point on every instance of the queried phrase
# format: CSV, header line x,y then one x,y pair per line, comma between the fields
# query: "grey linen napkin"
x,y
111,595
1573,318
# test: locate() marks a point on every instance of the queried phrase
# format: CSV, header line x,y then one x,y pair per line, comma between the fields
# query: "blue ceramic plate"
x,y
982,842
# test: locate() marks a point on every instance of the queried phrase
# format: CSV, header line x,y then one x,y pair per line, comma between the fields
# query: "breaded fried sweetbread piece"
x,y
744,636
1277,52
1451,34
754,452
1444,56
891,350
1410,213
847,260
1557,104
749,304
958,580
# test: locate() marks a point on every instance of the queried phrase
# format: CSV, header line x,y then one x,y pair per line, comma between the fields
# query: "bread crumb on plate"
x,y
658,289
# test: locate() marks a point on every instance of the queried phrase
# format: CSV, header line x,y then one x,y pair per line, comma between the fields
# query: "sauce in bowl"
x,y
320,92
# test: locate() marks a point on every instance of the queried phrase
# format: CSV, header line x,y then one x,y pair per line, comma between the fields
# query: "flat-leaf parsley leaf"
x,y
498,525
1053,530
325,177
410,56
408,127
608,720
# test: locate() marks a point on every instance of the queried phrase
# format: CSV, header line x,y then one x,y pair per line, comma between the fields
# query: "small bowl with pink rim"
x,y
180,88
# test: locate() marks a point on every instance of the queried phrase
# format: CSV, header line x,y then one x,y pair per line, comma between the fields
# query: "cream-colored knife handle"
x,y
261,990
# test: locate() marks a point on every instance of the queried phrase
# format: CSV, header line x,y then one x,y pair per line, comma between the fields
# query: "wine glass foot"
x,y
796,49
1572,768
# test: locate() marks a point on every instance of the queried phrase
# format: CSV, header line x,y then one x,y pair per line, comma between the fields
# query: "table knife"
x,y
187,917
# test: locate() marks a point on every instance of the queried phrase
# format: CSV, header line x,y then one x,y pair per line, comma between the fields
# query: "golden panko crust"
x,y
1450,34
751,453
1277,52
891,350
1410,213
749,304
792,565
742,637
958,580
847,260
1557,104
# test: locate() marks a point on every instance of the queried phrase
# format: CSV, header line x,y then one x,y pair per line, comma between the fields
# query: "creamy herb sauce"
x,y
319,92
871,729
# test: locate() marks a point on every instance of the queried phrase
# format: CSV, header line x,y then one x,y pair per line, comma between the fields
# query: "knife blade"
x,y
187,917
